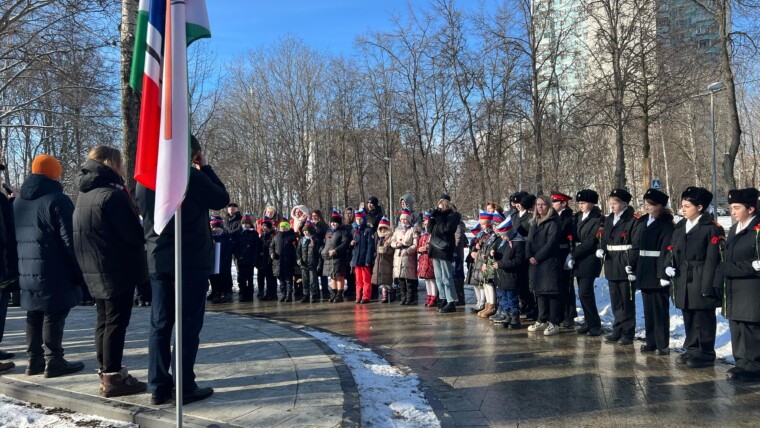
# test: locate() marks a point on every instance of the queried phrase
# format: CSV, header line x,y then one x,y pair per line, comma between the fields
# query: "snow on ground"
x,y
388,397
677,332
20,414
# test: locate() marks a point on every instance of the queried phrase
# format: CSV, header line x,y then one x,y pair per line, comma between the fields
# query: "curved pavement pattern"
x,y
264,373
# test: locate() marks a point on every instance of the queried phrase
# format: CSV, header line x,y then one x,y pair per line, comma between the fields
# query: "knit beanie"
x,y
47,166
284,225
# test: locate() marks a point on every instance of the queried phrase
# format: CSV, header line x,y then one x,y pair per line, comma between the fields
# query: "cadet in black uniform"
x,y
586,266
566,284
651,238
740,272
692,262
616,252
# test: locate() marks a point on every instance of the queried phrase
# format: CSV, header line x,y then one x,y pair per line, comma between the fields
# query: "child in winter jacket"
x,y
508,253
307,254
264,274
247,252
283,253
382,271
405,240
335,256
363,257
425,265
221,282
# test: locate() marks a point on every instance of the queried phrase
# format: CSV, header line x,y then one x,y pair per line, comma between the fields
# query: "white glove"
x,y
629,270
756,265
600,254
631,278
569,262
670,271
664,282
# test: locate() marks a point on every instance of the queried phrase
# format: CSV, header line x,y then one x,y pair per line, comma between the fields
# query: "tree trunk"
x,y
734,127
130,100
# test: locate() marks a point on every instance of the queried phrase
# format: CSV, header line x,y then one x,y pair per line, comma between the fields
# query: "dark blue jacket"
x,y
248,246
49,276
364,247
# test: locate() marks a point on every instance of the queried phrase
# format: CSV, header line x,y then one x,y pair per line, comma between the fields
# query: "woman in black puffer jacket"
x,y
110,248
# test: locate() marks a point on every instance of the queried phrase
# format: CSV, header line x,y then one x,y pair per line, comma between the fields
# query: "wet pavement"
x,y
477,373
267,372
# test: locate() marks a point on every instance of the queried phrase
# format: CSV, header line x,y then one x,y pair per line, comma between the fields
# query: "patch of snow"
x,y
677,331
20,414
388,397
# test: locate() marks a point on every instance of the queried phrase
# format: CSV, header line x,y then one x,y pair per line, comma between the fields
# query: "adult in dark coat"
x,y
221,282
264,275
374,212
587,229
442,226
545,271
204,192
335,256
740,274
651,238
110,248
49,276
247,253
524,204
692,263
233,223
616,252
283,253
320,229
567,286
382,270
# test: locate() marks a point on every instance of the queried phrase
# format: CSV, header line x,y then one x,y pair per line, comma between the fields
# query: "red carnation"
x,y
623,235
570,238
670,248
715,240
757,227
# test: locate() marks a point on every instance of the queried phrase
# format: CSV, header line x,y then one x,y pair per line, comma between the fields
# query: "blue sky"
x,y
327,25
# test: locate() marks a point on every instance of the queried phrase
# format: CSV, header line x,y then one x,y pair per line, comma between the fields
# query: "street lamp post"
x,y
713,88
389,161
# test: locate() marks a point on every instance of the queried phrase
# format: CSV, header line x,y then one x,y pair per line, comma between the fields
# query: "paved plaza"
x,y
267,372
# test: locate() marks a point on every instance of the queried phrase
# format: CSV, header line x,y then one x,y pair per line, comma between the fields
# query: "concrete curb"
x,y
143,416
351,405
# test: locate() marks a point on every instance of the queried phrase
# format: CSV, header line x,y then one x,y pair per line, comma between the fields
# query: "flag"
x,y
159,71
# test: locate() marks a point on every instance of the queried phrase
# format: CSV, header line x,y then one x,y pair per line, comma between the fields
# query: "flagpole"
x,y
178,314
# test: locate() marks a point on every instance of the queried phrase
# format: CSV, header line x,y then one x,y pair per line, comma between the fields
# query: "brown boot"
x,y
489,310
120,383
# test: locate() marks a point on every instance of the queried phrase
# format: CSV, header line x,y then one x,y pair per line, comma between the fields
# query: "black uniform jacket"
x,y
585,244
614,238
650,243
742,282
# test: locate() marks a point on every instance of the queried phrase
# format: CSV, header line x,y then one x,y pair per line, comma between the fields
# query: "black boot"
x,y
442,303
402,292
284,297
392,295
60,367
459,285
339,297
306,298
333,295
290,297
413,291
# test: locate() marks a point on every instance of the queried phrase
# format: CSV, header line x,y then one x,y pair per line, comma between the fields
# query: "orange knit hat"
x,y
47,166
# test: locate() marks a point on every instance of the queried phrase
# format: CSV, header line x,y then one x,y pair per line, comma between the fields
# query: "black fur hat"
x,y
516,197
657,197
587,195
747,196
697,195
528,201
621,194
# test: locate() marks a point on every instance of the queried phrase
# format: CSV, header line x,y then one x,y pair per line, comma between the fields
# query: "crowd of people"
x,y
523,262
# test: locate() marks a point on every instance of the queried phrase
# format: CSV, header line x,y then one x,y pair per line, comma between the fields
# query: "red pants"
x,y
363,282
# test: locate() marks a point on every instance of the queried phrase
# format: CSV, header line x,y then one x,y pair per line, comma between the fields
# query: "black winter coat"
x,y
225,250
49,275
653,239
248,246
264,260
742,282
108,237
522,224
566,221
695,256
283,252
204,192
363,254
585,244
543,244
9,253
510,255
307,253
374,216
234,227
337,265
614,236
443,225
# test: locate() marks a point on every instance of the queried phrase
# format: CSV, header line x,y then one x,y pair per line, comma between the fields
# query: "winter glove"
x,y
756,265
600,254
569,262
670,271
629,270
664,283
631,278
